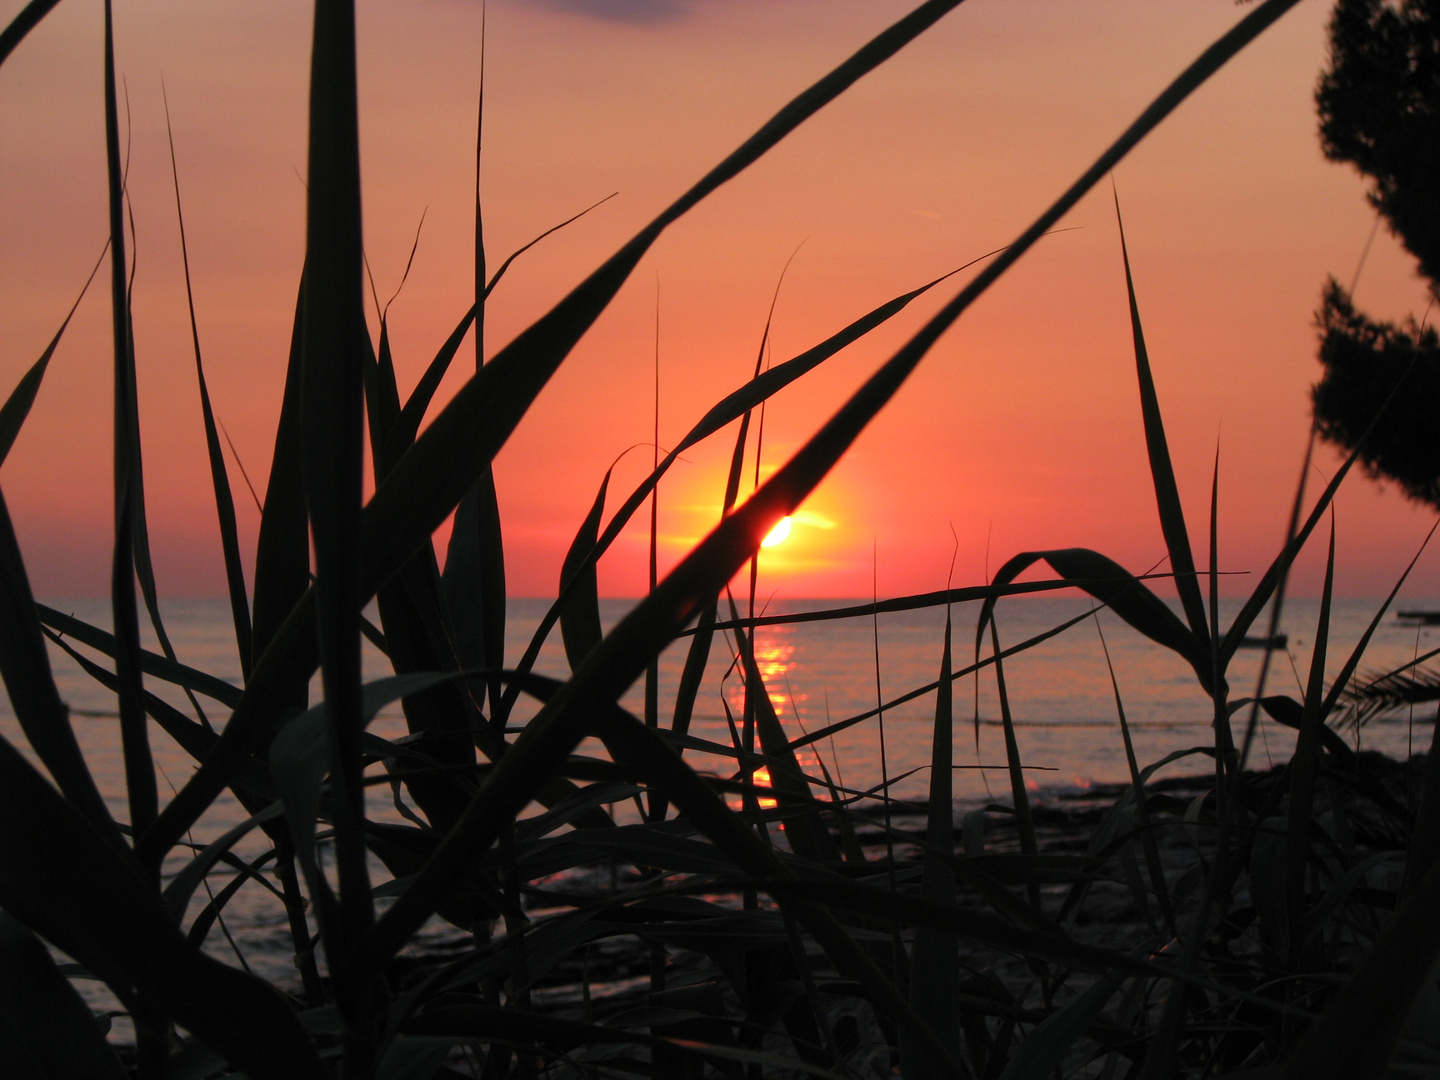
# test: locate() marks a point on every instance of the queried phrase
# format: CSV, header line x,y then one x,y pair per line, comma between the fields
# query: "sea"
x,y
1064,703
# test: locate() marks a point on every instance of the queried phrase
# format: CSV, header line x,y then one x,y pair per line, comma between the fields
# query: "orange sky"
x,y
1021,430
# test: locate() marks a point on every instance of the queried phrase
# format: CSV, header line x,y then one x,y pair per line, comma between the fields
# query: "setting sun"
x,y
778,535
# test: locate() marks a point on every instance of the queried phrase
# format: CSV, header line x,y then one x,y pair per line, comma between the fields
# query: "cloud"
x,y
637,12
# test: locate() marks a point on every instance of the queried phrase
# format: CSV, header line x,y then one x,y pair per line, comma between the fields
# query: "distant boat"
x,y
1279,641
1424,618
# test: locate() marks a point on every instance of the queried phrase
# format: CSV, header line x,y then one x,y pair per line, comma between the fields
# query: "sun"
x,y
778,535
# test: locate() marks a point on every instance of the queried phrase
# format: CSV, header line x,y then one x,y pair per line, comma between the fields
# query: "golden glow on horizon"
x,y
779,534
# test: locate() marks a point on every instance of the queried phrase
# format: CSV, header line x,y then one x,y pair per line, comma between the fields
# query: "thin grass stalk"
x,y
418,403
838,726
914,602
140,782
652,673
1153,865
808,835
144,568
1304,765
1018,793
475,563
1346,673
699,654
1229,810
737,405
17,406
220,479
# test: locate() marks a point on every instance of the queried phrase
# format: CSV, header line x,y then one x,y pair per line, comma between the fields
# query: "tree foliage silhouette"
x,y
1379,107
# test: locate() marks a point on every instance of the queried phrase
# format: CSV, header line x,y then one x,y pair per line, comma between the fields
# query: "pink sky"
x,y
1021,430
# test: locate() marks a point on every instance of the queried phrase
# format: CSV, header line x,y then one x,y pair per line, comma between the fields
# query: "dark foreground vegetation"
x,y
1278,924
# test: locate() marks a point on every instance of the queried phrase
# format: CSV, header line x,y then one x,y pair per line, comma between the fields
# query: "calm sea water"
x,y
818,673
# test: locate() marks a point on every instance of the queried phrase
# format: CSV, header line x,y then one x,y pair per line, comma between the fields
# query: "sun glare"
x,y
778,535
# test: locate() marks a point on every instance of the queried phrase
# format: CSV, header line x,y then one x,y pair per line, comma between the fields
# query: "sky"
x,y
1020,431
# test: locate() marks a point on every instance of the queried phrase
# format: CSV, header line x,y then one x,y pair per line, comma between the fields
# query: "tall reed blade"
x,y
282,552
135,741
935,957
334,342
219,477
474,582
1306,762
1018,792
475,561
806,832
1162,472
580,615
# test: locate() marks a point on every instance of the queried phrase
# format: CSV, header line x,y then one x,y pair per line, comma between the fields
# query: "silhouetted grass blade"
x,y
135,744
1148,843
808,835
219,477
282,552
382,397
334,343
28,18
195,739
580,617
935,956
151,663
914,602
1342,678
25,666
1118,589
68,884
474,584
402,435
1019,795
1305,762
300,759
17,405
1276,573
735,406
46,1029
1162,472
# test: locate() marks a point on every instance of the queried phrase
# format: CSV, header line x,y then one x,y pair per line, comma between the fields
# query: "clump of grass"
x,y
867,941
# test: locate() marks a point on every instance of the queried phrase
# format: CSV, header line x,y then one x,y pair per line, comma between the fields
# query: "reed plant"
x,y
851,943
